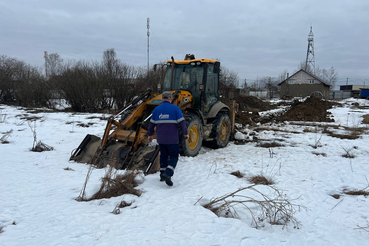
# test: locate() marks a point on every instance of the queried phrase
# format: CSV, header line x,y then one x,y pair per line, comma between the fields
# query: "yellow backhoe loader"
x,y
194,84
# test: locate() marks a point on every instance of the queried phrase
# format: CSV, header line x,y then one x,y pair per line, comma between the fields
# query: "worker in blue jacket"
x,y
166,118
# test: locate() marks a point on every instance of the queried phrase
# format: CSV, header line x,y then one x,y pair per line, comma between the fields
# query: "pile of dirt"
x,y
253,104
312,109
249,108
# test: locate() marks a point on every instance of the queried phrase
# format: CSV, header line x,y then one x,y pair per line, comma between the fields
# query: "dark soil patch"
x,y
249,107
318,154
85,125
351,136
269,145
336,196
366,119
357,192
312,109
238,174
260,179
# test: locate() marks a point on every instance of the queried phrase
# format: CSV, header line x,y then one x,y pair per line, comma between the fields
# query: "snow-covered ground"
x,y
38,206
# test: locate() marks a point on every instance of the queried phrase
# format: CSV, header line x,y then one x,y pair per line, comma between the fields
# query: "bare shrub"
x,y
348,152
365,228
5,136
237,173
2,118
114,185
261,179
275,208
41,147
38,146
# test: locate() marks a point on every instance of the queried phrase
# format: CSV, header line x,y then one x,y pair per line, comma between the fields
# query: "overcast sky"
x,y
253,38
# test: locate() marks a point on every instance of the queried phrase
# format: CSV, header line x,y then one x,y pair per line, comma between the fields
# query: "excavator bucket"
x,y
86,150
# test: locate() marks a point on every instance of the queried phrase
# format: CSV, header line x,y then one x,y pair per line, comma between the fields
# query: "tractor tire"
x,y
192,146
221,131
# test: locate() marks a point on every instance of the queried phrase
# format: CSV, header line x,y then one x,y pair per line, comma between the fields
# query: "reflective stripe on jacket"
x,y
167,117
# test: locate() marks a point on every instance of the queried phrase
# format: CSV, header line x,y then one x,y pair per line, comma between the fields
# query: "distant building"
x,y
353,90
303,84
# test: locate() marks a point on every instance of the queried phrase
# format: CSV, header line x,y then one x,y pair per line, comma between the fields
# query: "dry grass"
x,y
260,180
122,204
85,125
114,185
320,154
68,169
274,208
352,133
269,145
237,173
356,192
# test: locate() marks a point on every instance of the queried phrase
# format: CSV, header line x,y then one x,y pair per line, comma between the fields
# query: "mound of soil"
x,y
253,104
249,108
312,109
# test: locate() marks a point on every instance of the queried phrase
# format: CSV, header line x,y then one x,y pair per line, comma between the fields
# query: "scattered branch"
x,y
277,210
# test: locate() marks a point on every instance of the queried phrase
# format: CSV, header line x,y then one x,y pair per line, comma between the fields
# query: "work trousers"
x,y
168,158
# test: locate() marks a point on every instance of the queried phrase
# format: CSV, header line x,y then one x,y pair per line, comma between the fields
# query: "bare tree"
x,y
54,64
228,80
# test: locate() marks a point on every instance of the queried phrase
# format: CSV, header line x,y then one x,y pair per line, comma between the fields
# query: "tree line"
x,y
87,86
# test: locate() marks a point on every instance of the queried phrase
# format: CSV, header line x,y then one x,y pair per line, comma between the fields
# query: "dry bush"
x,y
40,147
260,179
5,136
237,173
348,153
275,208
114,185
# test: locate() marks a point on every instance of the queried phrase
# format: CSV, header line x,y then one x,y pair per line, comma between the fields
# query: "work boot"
x,y
162,178
167,179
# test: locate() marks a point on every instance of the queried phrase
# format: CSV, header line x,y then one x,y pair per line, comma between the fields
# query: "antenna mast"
x,y
148,45
310,58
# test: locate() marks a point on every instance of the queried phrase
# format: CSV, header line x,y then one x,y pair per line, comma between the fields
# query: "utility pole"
x,y
310,58
148,45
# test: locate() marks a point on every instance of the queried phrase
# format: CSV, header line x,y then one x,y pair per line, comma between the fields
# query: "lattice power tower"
x,y
310,58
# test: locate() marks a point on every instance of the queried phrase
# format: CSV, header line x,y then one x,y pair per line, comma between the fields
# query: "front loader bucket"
x,y
86,150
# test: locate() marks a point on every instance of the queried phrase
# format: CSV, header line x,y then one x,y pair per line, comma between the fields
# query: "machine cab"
x,y
198,76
